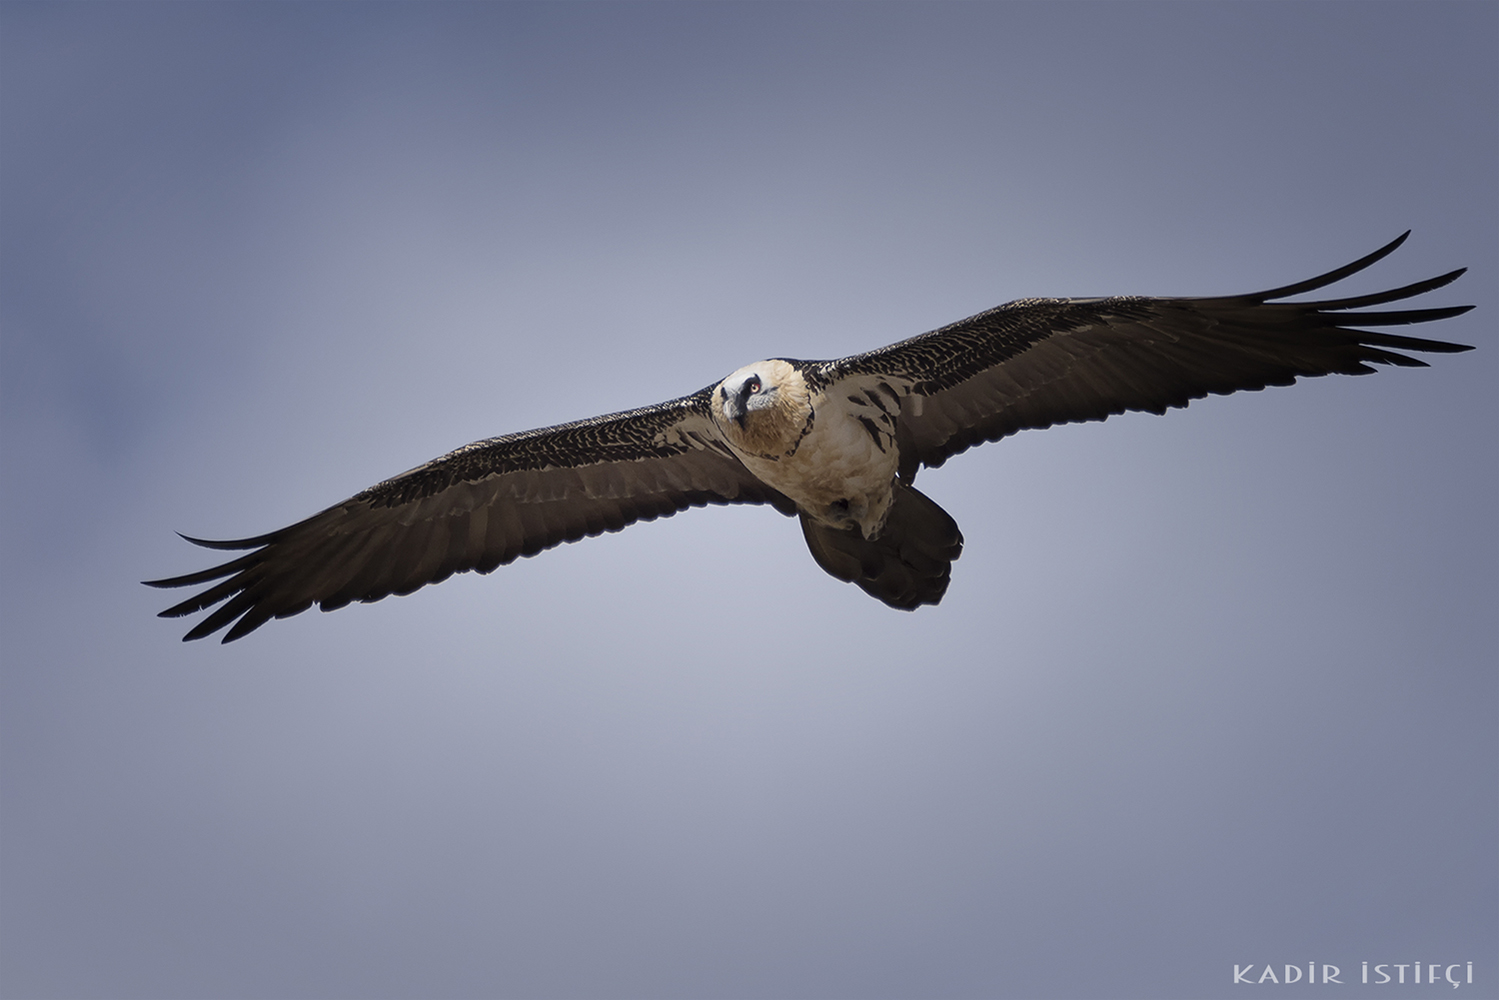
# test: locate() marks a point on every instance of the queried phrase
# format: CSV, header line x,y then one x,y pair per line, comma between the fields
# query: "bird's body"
x,y
837,443
832,454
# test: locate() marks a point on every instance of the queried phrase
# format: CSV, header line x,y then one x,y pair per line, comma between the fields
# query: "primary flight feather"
x,y
837,443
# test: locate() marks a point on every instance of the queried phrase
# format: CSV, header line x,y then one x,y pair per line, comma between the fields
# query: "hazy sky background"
x,y
1210,689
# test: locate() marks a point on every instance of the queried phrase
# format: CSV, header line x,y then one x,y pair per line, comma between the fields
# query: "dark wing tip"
x,y
1339,313
214,573
204,576
1337,274
232,543
1411,343
177,581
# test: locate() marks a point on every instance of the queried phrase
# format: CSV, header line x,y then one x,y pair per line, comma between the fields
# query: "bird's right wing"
x,y
1038,362
475,509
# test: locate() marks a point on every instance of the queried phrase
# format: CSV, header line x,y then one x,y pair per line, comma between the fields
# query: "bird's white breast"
x,y
842,471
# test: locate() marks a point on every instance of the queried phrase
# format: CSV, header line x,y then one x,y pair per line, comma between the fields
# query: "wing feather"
x,y
1038,362
476,508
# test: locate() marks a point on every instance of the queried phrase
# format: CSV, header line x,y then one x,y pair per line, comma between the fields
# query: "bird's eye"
x,y
753,384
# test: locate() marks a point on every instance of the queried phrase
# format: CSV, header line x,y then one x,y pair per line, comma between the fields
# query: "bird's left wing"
x,y
1038,362
477,508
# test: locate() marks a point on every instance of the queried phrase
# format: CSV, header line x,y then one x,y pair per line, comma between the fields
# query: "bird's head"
x,y
763,407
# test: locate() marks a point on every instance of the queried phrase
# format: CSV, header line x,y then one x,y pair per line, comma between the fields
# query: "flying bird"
x,y
835,443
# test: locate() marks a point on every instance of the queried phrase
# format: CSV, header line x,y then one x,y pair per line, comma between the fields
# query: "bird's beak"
x,y
736,406
733,407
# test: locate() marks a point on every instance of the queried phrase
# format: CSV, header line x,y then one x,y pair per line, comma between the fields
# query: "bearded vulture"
x,y
837,443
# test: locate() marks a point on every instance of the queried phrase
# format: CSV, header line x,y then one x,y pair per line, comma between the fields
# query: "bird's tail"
x,y
909,564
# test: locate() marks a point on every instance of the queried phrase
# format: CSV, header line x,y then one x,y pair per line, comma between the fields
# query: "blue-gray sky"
x,y
1208,689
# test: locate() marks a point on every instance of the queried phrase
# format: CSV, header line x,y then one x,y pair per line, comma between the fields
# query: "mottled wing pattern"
x,y
1038,362
477,508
